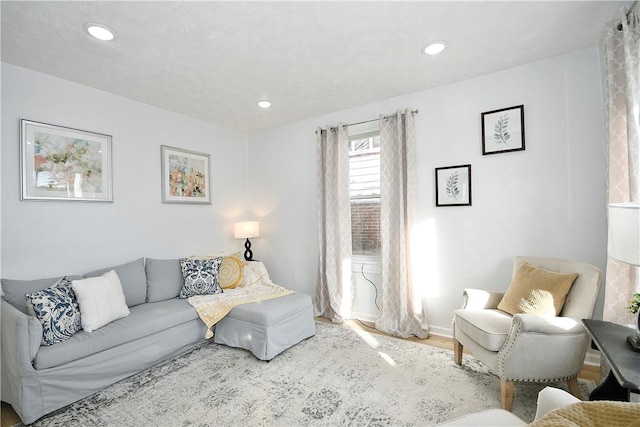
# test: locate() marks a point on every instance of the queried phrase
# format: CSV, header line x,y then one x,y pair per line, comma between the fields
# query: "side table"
x,y
624,377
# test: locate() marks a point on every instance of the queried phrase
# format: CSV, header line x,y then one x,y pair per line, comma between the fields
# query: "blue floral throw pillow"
x,y
57,310
200,276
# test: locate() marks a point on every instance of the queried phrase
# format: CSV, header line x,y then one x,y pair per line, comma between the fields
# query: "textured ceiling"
x,y
214,60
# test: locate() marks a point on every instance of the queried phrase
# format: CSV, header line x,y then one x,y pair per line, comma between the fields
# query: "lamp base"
x,y
248,255
635,342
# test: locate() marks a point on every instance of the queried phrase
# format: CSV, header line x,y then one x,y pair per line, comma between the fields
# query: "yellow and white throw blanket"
x,y
257,287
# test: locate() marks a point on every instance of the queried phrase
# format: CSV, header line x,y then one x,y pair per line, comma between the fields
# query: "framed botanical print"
x,y
453,186
503,130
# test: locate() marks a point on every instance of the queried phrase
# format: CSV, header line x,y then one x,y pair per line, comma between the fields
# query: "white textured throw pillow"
x,y
101,300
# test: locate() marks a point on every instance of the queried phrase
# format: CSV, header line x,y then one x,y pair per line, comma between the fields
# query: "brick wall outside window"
x,y
365,227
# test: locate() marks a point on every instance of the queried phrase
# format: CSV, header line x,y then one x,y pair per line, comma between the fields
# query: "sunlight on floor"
x,y
370,339
387,358
366,336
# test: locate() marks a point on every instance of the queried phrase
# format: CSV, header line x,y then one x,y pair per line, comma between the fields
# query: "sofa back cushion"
x,y
15,290
164,279
132,278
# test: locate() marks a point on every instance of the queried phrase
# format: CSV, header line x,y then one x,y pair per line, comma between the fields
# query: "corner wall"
x,y
51,238
548,200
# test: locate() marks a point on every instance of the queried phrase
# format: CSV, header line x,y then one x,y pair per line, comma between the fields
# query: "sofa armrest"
x,y
479,299
20,337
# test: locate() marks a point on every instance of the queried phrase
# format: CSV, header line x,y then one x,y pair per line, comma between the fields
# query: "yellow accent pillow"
x,y
230,272
537,291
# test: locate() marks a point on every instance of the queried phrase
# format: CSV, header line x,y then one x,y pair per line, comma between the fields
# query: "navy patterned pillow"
x,y
200,276
57,310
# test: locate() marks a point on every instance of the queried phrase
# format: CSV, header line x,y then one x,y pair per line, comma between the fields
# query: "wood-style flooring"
x,y
8,417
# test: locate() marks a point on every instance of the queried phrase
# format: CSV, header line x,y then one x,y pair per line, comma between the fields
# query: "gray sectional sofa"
x,y
38,379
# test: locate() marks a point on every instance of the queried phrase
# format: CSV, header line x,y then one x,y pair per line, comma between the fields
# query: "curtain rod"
x,y
416,111
634,4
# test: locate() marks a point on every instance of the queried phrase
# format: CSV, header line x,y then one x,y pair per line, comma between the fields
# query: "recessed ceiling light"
x,y
434,48
100,32
264,104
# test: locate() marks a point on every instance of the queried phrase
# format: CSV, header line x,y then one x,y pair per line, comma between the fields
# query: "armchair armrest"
x,y
479,299
547,325
541,348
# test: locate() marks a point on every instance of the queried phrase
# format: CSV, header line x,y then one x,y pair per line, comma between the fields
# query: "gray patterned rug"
x,y
337,378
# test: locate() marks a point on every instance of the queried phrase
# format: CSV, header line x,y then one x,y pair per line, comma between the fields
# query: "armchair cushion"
x,y
534,290
488,328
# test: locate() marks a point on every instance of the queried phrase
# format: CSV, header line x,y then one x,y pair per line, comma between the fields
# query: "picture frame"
x,y
62,163
503,130
186,176
453,186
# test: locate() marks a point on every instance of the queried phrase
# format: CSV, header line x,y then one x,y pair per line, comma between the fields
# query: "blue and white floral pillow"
x,y
57,310
200,276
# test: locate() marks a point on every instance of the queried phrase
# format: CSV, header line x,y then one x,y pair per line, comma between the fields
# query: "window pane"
x,y
365,227
364,177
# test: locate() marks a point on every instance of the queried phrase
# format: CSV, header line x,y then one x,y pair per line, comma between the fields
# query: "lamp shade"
x,y
624,232
246,229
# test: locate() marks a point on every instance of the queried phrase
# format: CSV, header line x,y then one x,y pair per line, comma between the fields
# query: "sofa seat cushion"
x,y
489,328
144,320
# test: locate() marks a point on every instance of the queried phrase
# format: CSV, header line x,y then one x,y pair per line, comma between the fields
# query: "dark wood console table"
x,y
624,378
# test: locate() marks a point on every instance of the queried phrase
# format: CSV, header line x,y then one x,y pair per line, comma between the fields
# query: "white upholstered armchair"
x,y
529,347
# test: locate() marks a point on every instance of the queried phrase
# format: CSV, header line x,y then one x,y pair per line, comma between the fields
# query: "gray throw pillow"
x,y
164,279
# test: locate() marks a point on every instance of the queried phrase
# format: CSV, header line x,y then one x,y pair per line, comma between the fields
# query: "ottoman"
x,y
267,328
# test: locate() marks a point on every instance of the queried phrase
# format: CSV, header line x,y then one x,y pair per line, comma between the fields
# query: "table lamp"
x,y
624,244
246,230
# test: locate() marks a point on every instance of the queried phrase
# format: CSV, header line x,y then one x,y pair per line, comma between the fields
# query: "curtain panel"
x,y
335,287
621,97
399,313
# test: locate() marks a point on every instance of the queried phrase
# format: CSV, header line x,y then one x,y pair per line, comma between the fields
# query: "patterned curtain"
x,y
397,211
622,94
335,288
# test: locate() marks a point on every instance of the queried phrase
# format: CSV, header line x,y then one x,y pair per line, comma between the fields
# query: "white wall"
x,y
49,238
548,200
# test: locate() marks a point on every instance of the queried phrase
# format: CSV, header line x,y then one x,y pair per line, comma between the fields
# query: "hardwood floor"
x,y
9,418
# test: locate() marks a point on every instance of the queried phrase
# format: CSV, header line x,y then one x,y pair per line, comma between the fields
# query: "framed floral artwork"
x,y
503,130
61,163
453,186
185,176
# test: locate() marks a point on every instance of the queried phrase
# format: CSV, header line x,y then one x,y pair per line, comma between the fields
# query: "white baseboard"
x,y
365,317
592,358
440,331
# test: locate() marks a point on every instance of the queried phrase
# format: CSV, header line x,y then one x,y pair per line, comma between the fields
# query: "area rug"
x,y
339,377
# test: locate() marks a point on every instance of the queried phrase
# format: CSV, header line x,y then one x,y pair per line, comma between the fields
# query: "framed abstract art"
x,y
61,163
185,176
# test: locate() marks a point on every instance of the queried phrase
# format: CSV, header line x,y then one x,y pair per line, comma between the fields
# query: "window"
x,y
364,188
